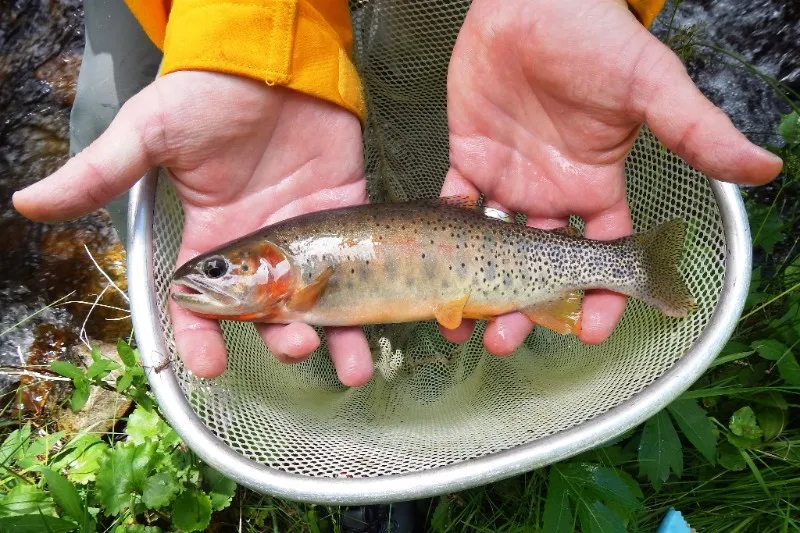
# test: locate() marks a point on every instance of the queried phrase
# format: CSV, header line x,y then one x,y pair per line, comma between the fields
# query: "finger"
x,y
506,333
198,341
289,343
601,310
101,172
350,354
460,334
457,185
694,128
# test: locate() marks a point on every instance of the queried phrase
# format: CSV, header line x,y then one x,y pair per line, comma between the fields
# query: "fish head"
x,y
240,282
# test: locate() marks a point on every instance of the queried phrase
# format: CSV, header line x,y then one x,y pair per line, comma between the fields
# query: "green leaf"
x,y
80,395
15,444
137,528
113,484
659,450
145,457
730,457
771,399
558,514
144,425
597,518
607,455
36,523
743,423
101,368
126,353
220,488
82,459
125,380
68,370
789,369
772,421
64,494
743,443
160,489
770,349
192,511
25,499
789,127
767,225
97,355
439,520
610,488
40,447
696,426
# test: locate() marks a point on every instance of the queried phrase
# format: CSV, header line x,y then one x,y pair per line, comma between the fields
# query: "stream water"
x,y
40,48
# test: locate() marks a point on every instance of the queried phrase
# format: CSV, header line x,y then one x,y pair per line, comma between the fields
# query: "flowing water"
x,y
40,53
40,49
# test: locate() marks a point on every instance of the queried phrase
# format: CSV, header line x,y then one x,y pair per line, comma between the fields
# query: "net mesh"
x,y
433,403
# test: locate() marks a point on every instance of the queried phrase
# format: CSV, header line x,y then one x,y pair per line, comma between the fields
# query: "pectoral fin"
x,y
562,316
569,231
305,298
449,315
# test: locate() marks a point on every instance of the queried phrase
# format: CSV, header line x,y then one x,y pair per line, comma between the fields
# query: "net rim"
x,y
439,480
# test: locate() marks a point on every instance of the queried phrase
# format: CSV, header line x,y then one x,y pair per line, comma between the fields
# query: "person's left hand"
x,y
545,100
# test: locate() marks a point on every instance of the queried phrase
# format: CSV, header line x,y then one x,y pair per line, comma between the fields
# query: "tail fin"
x,y
660,250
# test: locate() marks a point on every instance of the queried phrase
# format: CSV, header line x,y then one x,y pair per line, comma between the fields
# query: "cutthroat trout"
x,y
415,261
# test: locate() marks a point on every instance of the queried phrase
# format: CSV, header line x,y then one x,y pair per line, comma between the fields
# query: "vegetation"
x,y
726,454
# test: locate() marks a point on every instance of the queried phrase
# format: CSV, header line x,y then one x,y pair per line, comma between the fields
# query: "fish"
x,y
446,260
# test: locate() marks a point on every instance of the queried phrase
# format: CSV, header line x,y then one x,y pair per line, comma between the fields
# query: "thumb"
x,y
691,126
104,170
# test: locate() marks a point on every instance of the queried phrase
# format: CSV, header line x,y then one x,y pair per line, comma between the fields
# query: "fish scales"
x,y
402,262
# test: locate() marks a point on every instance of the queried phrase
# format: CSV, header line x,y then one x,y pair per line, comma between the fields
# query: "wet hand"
x,y
242,155
545,100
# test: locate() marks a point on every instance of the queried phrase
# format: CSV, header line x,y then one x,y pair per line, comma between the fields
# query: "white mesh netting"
x,y
432,403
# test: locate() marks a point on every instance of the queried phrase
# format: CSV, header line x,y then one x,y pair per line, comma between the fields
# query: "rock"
x,y
104,407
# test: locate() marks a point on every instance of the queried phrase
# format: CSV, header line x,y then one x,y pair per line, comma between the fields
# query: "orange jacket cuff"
x,y
646,10
305,45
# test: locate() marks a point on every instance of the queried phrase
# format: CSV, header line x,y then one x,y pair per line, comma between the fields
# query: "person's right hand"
x,y
243,155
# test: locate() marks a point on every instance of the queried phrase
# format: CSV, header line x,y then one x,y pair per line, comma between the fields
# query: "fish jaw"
x,y
206,299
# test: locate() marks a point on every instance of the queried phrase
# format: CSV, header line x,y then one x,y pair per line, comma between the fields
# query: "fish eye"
x,y
216,267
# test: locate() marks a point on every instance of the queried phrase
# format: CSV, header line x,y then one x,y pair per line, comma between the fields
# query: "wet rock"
x,y
766,33
104,407
43,263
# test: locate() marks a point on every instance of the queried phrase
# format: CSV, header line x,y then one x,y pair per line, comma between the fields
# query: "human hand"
x,y
242,155
545,100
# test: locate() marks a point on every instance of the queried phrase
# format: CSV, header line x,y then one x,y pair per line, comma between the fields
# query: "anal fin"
x,y
305,298
449,315
562,315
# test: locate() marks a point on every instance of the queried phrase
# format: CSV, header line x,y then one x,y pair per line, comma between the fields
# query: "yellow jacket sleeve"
x,y
646,10
305,45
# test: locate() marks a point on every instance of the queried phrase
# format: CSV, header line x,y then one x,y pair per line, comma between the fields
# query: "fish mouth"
x,y
203,297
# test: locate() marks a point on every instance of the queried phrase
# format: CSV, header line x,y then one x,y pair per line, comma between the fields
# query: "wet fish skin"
x,y
413,261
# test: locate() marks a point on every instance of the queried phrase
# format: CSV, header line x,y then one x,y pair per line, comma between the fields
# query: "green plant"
x,y
144,480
